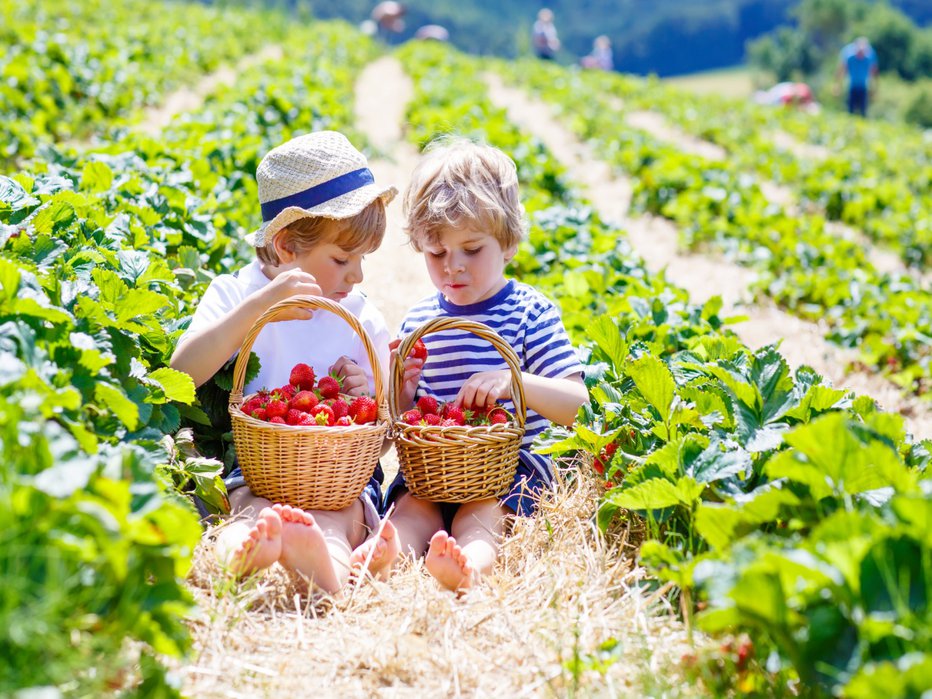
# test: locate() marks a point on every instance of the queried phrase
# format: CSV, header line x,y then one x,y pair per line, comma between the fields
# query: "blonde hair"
x,y
460,182
364,232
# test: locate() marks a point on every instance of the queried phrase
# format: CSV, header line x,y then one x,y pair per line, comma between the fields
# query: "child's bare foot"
x,y
261,547
304,548
383,549
446,561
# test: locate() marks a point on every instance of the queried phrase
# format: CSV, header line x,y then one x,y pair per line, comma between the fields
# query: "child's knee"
x,y
487,514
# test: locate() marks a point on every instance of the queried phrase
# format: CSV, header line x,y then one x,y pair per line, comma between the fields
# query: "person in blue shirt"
x,y
858,62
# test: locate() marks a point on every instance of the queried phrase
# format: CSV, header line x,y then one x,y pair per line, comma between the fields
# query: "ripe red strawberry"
x,y
251,405
304,400
428,405
278,420
449,422
260,414
498,416
323,415
364,410
604,458
344,421
286,392
455,413
276,408
412,417
306,420
302,376
294,416
432,419
419,351
340,408
329,386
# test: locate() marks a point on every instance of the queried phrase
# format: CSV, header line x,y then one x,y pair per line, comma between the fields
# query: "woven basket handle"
x,y
309,302
479,329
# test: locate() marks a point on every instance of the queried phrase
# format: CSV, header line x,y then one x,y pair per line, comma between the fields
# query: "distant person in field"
x,y
790,95
544,39
858,63
389,19
322,212
464,214
601,56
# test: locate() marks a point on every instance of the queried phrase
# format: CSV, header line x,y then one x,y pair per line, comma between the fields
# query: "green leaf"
x,y
771,375
53,217
115,400
96,177
609,338
718,461
176,384
13,196
654,381
194,414
10,277
657,494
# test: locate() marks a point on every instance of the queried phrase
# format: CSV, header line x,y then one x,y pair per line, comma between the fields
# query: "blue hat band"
x,y
318,194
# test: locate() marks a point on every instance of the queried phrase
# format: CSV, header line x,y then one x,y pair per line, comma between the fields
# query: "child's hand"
x,y
354,378
484,389
413,369
294,282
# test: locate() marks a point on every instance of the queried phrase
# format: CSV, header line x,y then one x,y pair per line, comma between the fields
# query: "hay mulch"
x,y
566,613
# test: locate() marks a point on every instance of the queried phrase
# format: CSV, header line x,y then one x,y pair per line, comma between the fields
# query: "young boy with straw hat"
x,y
322,212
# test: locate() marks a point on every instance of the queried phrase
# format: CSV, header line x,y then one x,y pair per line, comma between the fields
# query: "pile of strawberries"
x,y
299,402
431,412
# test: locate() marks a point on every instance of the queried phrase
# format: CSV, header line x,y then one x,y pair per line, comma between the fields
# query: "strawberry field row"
x,y
104,256
805,268
752,480
69,69
875,175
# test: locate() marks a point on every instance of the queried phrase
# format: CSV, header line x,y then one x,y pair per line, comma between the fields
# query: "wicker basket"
x,y
314,468
457,463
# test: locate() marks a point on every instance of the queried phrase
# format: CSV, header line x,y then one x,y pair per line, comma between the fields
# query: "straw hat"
x,y
319,174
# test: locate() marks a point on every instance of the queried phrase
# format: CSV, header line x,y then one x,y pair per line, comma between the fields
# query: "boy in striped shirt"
x,y
465,215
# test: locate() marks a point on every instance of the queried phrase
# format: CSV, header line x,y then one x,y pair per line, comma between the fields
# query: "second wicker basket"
x,y
457,463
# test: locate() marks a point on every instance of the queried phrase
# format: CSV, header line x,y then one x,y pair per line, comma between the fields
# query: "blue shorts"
x,y
370,497
522,498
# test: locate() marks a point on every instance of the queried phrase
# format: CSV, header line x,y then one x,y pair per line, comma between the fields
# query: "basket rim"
x,y
396,374
307,302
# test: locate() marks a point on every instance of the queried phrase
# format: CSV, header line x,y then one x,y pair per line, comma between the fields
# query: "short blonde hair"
x,y
362,232
461,182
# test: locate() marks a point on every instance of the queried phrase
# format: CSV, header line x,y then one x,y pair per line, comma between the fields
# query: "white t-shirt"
x,y
319,341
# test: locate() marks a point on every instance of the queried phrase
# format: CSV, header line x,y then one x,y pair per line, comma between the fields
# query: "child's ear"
x,y
510,253
283,247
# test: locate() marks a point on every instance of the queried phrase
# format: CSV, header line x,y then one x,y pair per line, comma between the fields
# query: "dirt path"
x,y
395,276
702,276
799,149
883,259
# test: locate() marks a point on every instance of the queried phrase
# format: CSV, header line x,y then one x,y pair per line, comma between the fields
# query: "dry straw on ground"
x,y
565,614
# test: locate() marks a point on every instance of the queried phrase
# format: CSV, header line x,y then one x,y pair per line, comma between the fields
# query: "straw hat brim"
x,y
338,208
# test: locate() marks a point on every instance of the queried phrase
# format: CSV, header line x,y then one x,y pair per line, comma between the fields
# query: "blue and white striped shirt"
x,y
523,317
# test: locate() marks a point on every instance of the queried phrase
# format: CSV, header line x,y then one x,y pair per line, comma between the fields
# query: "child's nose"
x,y
354,273
455,264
